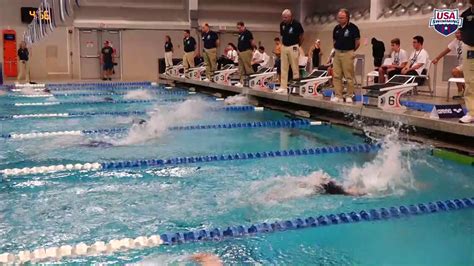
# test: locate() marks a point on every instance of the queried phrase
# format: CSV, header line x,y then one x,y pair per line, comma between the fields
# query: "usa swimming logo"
x,y
446,21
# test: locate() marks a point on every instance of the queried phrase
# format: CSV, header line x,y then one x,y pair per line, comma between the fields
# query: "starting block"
x,y
309,86
260,79
387,96
174,71
196,73
223,76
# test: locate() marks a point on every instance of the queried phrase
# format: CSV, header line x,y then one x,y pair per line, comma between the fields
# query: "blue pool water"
x,y
54,209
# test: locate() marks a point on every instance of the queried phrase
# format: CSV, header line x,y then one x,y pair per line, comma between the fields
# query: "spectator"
x,y
399,60
260,59
24,67
245,45
378,52
467,37
211,41
418,58
455,47
315,54
229,58
291,32
168,51
107,61
189,44
346,38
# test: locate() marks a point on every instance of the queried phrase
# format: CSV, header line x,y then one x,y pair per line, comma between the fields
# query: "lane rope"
x,y
260,124
231,232
157,163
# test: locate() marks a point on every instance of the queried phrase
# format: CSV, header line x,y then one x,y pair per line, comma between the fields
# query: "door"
x,y
91,43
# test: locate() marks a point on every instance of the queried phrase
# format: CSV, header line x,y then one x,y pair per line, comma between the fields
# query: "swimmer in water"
x,y
206,259
97,144
108,99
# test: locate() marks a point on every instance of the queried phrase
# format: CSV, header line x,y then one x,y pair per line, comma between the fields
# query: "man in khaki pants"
x,y
346,38
291,32
245,46
211,41
189,44
24,67
467,36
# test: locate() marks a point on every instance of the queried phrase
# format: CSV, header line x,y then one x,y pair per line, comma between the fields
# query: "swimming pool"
x,y
69,207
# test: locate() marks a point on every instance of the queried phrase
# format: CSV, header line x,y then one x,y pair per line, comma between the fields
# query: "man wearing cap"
x,y
189,44
467,37
107,61
291,32
211,41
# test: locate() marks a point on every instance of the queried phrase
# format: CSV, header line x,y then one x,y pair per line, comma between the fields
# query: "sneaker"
x,y
104,79
238,84
349,100
206,80
466,119
336,99
110,79
458,97
281,91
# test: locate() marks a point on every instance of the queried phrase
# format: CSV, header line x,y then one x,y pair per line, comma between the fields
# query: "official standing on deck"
x,y
245,46
291,32
189,44
346,38
211,41
467,36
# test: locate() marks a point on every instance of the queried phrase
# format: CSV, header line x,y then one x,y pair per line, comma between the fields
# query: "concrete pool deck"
x,y
407,117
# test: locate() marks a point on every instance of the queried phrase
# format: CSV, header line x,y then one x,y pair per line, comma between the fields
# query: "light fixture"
x,y
331,18
307,20
357,15
413,9
316,18
388,12
458,5
427,8
366,14
442,5
323,19
400,11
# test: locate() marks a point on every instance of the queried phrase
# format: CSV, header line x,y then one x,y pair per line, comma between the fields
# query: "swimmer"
x,y
139,121
97,144
207,259
108,99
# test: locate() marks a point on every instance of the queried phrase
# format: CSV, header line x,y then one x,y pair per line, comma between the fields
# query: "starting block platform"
x,y
387,95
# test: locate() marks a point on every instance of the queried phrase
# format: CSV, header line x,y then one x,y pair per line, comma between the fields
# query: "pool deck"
x,y
407,117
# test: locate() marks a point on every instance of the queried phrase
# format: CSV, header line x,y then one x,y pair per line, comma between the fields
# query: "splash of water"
x,y
138,95
161,119
237,100
389,173
30,91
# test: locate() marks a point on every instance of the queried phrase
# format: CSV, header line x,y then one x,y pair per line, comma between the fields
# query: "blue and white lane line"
x,y
58,95
158,163
99,248
243,108
98,102
301,123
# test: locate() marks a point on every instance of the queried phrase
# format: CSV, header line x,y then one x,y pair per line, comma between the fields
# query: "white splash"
x,y
138,95
163,118
239,99
387,174
31,91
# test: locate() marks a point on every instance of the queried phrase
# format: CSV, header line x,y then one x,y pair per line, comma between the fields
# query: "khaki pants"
x,y
188,60
289,58
468,68
24,71
343,66
245,64
210,58
169,59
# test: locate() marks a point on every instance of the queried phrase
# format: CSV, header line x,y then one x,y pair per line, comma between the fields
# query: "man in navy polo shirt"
x,y
211,41
346,38
245,46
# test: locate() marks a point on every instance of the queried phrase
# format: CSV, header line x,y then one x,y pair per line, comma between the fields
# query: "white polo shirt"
x,y
399,58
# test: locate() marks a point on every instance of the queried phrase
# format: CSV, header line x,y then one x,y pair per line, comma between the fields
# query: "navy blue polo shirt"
x,y
467,30
189,44
245,41
345,38
290,33
168,46
210,38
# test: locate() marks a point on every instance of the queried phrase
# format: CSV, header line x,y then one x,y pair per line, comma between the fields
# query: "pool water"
x,y
54,209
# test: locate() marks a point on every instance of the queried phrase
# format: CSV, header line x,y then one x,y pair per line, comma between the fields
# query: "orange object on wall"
x,y
10,59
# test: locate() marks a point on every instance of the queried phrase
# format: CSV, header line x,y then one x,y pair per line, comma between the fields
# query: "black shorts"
x,y
108,66
396,71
